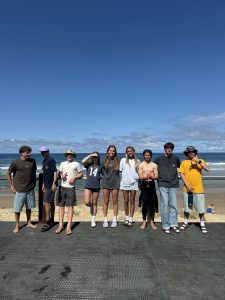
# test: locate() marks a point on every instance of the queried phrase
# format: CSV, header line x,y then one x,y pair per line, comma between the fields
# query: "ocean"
x,y
215,161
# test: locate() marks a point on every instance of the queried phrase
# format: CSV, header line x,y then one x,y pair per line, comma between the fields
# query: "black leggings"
x,y
149,199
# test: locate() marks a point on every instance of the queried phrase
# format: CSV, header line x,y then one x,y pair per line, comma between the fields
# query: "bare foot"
x,y
31,225
16,229
68,231
143,225
59,229
154,227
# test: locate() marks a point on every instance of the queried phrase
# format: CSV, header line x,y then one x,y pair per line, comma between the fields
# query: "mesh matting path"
x,y
112,263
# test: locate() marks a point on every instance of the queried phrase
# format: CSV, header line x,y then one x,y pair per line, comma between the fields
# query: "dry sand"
x,y
82,213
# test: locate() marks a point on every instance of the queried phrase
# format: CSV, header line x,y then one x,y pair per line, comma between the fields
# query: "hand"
x,y
71,180
54,187
13,190
195,158
64,175
148,175
189,188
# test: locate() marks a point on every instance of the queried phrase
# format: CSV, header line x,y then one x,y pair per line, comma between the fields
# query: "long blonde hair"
x,y
136,161
115,158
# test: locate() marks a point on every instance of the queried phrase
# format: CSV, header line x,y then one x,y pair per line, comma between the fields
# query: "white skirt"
x,y
129,187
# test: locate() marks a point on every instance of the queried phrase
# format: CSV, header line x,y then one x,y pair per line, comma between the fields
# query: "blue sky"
x,y
85,74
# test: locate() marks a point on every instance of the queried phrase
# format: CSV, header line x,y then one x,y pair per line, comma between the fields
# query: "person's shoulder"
x,y
159,157
32,160
185,161
51,159
77,164
15,161
175,157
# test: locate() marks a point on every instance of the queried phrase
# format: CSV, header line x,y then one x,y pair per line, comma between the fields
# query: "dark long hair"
x,y
98,161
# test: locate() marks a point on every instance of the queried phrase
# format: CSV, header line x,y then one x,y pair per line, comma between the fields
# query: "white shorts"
x,y
198,203
129,187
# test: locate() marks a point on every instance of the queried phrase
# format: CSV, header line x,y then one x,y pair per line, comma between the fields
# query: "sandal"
x,y
184,226
46,227
167,231
176,229
203,229
130,224
125,223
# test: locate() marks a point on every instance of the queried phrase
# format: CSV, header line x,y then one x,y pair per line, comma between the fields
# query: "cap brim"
x,y
74,154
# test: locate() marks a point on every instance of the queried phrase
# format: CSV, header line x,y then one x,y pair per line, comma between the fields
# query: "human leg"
x,y
52,213
95,196
144,209
106,195
30,203
17,219
187,211
19,201
151,207
173,212
164,208
61,218
199,203
126,204
87,197
29,223
132,203
115,194
69,221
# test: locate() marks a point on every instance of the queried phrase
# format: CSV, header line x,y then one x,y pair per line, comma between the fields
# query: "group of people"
x,y
110,176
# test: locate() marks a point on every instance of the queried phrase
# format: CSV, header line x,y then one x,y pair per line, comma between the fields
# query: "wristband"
x,y
199,161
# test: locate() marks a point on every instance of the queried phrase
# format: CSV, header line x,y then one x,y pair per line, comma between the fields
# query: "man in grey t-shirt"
x,y
168,181
23,183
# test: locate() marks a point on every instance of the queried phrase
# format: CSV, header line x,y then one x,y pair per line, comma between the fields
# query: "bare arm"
x,y
54,181
201,163
188,187
78,176
84,160
140,174
10,183
154,174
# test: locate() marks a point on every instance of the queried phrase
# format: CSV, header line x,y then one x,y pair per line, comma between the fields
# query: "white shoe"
x,y
114,224
93,223
105,224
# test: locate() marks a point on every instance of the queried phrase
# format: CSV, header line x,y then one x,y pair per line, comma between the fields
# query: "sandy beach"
x,y
214,194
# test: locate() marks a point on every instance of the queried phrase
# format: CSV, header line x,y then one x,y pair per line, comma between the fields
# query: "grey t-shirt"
x,y
24,174
167,168
110,177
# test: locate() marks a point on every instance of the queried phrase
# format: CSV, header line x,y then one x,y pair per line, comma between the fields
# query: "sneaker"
x,y
114,224
93,223
105,224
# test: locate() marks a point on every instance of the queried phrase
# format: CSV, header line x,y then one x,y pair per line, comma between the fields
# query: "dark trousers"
x,y
149,199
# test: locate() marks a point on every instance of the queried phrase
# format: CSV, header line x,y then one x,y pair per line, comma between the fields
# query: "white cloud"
x,y
204,132
204,118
